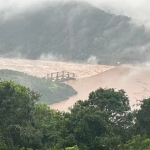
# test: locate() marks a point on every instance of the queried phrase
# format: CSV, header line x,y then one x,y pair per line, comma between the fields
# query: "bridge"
x,y
61,76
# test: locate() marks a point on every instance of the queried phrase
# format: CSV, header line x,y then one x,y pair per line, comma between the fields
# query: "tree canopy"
x,y
104,121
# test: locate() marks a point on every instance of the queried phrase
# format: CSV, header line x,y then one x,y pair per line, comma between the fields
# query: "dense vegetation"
x,y
51,92
103,122
73,31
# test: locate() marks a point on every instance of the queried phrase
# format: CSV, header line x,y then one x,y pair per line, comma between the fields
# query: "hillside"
x,y
73,31
51,92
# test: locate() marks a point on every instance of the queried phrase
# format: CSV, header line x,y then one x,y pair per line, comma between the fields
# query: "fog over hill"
x,y
73,31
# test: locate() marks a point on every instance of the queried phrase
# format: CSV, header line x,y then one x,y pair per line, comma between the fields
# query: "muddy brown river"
x,y
134,80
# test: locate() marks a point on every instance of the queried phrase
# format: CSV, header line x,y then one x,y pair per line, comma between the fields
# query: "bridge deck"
x,y
64,75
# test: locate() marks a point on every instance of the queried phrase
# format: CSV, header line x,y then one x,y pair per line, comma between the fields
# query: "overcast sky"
x,y
137,9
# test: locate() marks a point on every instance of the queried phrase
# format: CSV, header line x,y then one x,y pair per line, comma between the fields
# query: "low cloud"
x,y
138,10
92,60
51,57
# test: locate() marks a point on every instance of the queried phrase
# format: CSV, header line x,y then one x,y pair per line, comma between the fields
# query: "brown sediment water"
x,y
134,80
41,68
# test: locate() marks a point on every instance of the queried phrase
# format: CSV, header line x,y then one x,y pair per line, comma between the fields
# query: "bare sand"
x,y
134,80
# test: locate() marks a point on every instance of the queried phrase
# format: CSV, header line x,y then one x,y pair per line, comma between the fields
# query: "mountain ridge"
x,y
74,31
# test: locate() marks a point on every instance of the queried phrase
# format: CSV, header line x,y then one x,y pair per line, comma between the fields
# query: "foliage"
x,y
103,122
143,118
99,122
72,148
16,112
51,92
25,123
137,143
3,145
49,123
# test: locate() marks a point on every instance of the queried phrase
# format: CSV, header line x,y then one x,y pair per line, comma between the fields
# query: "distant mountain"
x,y
74,31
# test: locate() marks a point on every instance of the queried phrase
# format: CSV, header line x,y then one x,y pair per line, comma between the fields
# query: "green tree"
x,y
100,122
136,143
72,148
143,118
49,123
17,105
3,145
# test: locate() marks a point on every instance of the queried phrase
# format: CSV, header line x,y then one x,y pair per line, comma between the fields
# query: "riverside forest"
x,y
104,121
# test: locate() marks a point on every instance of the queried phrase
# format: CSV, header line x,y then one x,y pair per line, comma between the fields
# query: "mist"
x,y
51,57
138,10
92,60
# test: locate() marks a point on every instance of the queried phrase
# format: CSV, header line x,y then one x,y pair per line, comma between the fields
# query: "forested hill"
x,y
73,31
51,92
